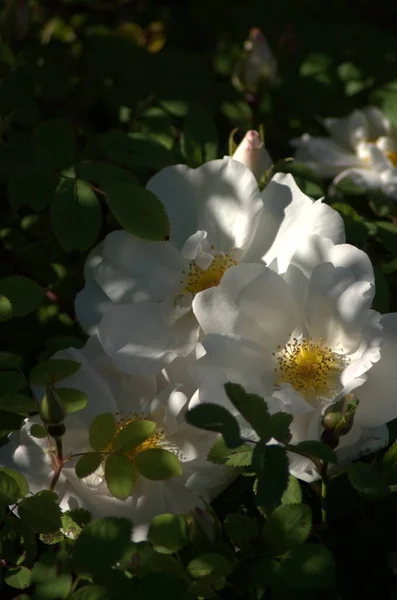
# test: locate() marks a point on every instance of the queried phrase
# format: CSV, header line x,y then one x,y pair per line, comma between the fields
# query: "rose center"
x,y
392,156
150,442
201,279
309,366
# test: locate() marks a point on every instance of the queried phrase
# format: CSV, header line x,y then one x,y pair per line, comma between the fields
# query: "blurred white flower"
x,y
303,340
252,153
256,65
361,150
138,294
129,399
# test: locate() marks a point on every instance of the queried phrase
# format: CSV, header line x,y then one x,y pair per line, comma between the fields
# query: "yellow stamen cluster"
x,y
309,366
201,279
151,442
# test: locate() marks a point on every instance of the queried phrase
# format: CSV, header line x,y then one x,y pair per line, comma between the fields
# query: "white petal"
x,y
90,305
220,197
235,359
132,393
363,442
337,306
377,396
361,178
143,338
378,124
87,380
328,157
315,250
368,353
133,270
349,131
389,183
252,301
289,216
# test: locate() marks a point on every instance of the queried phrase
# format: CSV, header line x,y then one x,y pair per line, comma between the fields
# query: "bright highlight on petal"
x,y
309,366
202,279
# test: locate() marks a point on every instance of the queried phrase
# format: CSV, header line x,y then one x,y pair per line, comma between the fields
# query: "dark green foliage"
x,y
95,98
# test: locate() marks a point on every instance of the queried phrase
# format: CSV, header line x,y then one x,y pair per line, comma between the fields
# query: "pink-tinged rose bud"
x,y
253,154
258,63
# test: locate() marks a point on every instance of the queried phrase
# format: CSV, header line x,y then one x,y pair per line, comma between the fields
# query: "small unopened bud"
x,y
253,154
256,65
56,431
203,528
52,410
338,419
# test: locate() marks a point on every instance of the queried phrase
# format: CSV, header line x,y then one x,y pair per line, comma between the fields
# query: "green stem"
x,y
324,490
323,499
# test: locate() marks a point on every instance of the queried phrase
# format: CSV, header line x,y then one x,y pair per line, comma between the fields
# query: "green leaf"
x,y
240,529
381,301
32,185
103,174
240,457
23,293
134,150
271,463
280,427
368,481
158,464
45,568
102,431
38,431
252,407
222,455
55,589
209,565
9,359
171,586
288,526
213,417
41,512
18,578
387,233
168,531
138,211
9,488
219,452
110,534
199,142
5,309
73,400
389,462
93,592
17,403
316,450
76,215
53,370
11,382
18,478
53,144
87,464
133,435
9,422
308,566
293,493
120,476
